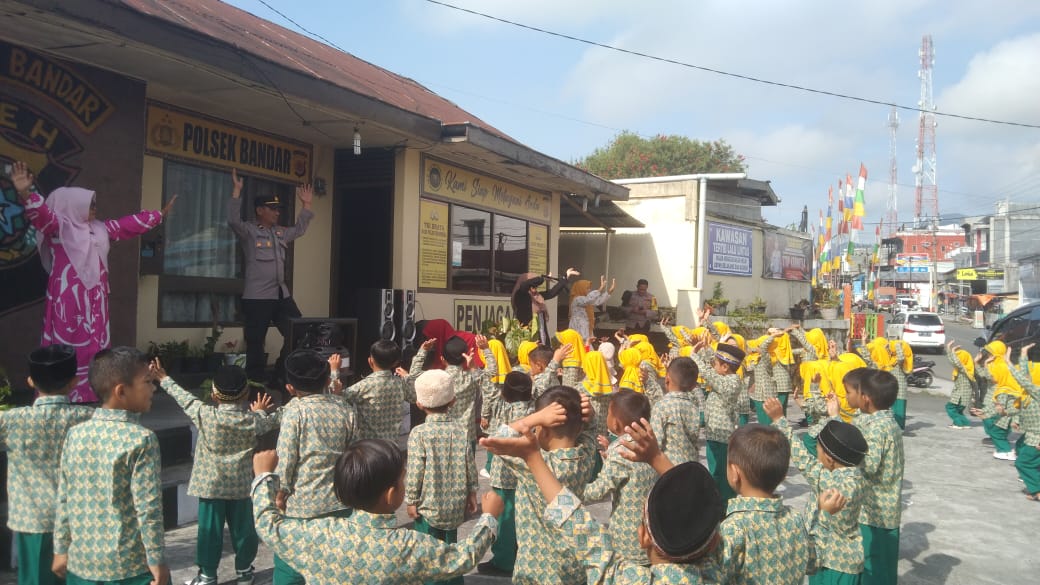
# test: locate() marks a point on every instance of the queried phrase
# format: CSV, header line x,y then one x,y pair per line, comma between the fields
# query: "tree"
x,y
630,156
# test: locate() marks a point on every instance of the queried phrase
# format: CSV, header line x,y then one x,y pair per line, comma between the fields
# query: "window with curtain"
x,y
202,266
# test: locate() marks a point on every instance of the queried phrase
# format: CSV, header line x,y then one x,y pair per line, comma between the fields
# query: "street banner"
x,y
729,249
787,257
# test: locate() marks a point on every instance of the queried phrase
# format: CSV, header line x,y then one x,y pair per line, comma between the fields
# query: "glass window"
x,y
202,265
510,252
470,249
924,319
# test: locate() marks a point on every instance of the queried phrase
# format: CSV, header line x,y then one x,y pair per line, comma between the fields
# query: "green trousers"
x,y
810,443
825,576
956,414
899,412
448,536
716,453
760,412
880,555
142,579
35,555
1028,465
743,419
999,435
284,574
504,550
238,515
782,397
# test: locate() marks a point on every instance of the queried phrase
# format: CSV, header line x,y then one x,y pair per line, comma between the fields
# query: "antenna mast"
x,y
926,196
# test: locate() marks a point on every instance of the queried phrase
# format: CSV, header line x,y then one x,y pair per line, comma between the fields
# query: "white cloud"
x,y
1001,83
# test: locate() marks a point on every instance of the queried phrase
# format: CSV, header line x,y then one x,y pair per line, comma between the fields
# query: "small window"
x,y
470,249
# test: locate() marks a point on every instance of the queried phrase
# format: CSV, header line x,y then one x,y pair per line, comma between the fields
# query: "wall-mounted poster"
x,y
433,244
786,257
729,249
537,249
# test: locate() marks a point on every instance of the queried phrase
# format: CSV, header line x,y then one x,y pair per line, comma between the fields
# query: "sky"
x,y
566,98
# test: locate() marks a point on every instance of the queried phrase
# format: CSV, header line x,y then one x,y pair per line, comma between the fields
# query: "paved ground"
x,y
965,518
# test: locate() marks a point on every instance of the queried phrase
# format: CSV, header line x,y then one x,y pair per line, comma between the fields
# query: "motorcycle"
x,y
922,375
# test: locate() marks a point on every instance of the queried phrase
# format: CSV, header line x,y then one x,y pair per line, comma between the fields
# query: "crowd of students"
x,y
582,421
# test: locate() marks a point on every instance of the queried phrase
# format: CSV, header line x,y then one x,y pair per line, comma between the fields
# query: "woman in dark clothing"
x,y
529,302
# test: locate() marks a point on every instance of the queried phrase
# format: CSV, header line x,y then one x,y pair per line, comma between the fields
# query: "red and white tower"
x,y
926,196
892,207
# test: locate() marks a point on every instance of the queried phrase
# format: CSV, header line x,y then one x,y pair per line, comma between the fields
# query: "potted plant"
x,y
717,302
828,304
232,357
213,358
798,310
757,305
170,353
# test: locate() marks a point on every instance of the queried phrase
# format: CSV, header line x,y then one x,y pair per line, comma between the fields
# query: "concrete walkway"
x,y
965,518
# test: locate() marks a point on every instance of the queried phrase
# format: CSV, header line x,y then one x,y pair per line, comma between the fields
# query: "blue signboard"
x,y
729,250
911,269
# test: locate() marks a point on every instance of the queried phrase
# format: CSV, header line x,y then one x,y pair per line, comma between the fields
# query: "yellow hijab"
x,y
780,349
630,359
581,289
908,355
753,356
881,355
577,347
1034,372
808,369
681,333
969,364
498,349
1003,380
721,328
523,355
597,376
845,363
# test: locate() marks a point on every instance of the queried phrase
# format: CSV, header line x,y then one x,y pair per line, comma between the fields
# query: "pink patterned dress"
x,y
75,253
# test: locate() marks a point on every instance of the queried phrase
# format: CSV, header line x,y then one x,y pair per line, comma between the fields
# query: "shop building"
x,y
144,99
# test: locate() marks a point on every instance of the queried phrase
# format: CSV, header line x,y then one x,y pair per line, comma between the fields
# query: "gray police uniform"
x,y
265,297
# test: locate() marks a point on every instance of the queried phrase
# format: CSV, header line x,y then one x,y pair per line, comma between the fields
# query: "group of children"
x,y
566,425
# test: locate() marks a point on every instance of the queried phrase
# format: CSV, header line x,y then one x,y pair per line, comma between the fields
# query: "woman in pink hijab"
x,y
73,248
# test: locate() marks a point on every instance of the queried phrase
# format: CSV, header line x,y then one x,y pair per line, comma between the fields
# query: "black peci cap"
x,y
843,442
683,511
52,367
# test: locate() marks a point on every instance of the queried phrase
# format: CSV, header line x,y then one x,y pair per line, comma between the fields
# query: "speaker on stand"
x,y
407,319
388,325
376,313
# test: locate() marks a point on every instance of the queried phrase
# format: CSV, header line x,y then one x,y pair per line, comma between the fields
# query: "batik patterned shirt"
x,y
591,543
627,483
962,389
676,421
764,542
378,399
898,372
223,466
990,402
837,539
541,558
110,515
572,376
365,547
467,384
810,351
781,378
882,469
547,379
316,429
1029,413
33,437
503,412
765,385
441,473
720,406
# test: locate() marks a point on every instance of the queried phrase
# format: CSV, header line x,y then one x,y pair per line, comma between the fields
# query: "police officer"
x,y
265,297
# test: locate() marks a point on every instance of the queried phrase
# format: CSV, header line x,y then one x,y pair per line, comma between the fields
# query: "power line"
x,y
728,73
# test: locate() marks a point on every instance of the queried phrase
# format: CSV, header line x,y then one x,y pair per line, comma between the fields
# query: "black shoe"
x,y
487,568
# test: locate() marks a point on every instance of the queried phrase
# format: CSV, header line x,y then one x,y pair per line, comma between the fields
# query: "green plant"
x,y
827,298
211,340
747,322
5,390
717,296
510,332
196,351
758,305
168,351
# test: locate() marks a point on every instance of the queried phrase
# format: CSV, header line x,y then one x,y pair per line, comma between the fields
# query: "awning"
x,y
605,216
982,300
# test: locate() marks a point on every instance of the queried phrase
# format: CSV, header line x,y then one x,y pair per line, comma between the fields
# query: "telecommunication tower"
x,y
892,209
926,195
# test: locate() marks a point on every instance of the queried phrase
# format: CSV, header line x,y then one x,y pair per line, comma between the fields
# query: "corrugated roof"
x,y
226,24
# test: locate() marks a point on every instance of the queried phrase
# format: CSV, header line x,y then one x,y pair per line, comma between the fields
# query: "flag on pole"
x,y
859,206
847,196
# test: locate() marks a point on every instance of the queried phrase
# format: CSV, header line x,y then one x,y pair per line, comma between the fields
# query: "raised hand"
x,y
262,403
833,406
156,369
613,285
429,344
562,353
236,184
602,282
774,410
571,272
305,193
22,178
481,341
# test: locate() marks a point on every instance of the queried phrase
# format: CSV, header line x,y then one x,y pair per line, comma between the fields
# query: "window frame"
x,y
171,283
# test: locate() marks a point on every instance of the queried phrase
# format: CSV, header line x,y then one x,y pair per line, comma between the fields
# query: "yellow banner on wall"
x,y
538,249
180,134
433,244
442,179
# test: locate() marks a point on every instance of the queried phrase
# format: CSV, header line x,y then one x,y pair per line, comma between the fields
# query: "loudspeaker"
x,y
407,320
387,324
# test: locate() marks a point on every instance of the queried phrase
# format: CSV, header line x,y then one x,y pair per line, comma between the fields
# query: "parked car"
x,y
922,330
1017,329
906,303
884,302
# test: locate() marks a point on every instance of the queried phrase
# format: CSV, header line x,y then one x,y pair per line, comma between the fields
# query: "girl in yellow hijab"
x,y
782,357
758,362
903,364
963,386
498,349
816,362
572,373
880,355
1002,401
523,356
598,386
630,378
646,349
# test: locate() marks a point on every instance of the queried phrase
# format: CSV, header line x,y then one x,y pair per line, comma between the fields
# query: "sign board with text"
x,y
461,185
470,314
729,249
433,244
980,274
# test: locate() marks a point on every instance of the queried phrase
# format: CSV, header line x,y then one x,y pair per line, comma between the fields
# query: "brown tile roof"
x,y
224,23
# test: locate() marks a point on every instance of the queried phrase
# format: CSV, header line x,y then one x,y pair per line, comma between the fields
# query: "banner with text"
x,y
442,179
786,257
729,249
173,132
537,248
470,314
433,244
